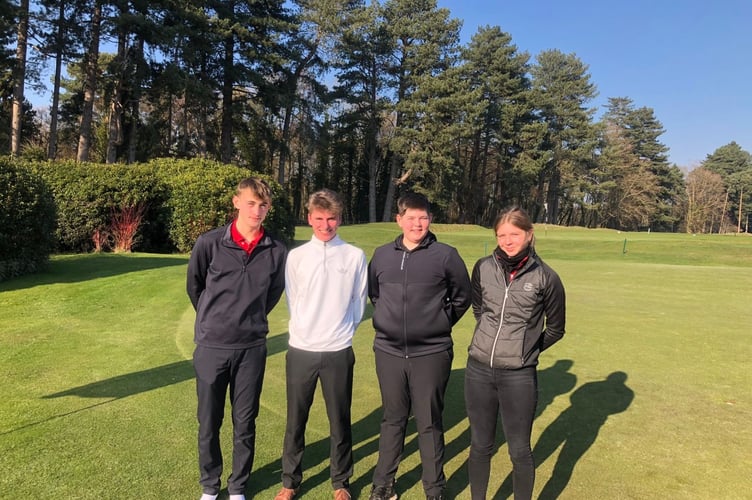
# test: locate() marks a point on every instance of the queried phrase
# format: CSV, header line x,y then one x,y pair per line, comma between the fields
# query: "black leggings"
x,y
512,394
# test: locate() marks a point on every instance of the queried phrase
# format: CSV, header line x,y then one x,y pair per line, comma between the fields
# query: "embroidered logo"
x,y
528,287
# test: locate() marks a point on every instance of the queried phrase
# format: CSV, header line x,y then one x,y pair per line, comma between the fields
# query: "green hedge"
x,y
200,198
27,221
181,199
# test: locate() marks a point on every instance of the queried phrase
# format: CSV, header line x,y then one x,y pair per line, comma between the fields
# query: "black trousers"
x,y
513,395
242,370
335,371
416,385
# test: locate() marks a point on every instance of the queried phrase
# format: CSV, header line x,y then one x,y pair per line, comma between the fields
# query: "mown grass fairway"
x,y
649,395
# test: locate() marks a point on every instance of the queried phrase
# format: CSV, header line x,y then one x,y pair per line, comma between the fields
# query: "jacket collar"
x,y
427,240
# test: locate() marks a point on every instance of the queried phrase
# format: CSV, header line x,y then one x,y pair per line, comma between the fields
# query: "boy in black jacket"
x,y
236,275
419,288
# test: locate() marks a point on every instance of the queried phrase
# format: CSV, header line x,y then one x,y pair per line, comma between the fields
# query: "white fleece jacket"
x,y
326,290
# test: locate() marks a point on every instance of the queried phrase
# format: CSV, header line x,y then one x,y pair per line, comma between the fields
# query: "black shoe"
x,y
440,496
383,493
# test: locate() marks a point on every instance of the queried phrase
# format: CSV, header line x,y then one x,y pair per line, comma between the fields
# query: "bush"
x,y
90,195
27,221
200,199
176,201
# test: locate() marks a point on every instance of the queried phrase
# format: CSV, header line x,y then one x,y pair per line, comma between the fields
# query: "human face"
x,y
512,239
324,224
251,209
414,225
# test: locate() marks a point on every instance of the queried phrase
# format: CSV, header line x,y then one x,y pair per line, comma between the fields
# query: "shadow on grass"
x,y
576,429
153,378
365,443
132,383
84,267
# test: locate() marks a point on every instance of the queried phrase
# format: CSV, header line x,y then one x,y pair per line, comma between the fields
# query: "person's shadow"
x,y
576,429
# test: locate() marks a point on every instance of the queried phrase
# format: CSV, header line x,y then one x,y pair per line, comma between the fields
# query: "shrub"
x,y
200,198
160,206
89,195
27,220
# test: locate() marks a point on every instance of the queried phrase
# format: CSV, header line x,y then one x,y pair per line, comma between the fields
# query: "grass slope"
x,y
647,396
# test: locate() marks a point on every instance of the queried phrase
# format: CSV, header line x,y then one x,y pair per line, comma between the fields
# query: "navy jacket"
x,y
418,295
233,292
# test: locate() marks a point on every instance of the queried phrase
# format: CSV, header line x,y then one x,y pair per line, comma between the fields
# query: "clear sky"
x,y
688,60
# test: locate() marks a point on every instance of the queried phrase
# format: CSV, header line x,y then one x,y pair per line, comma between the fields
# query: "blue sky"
x,y
688,60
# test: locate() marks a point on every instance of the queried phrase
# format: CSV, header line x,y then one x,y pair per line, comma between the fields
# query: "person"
x,y
419,288
326,290
519,307
235,278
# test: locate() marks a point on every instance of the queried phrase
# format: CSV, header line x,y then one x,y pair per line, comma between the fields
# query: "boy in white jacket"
x,y
326,289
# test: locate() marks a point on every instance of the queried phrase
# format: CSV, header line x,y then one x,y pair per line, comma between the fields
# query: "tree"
x,y
641,129
19,77
361,65
562,87
629,188
734,165
705,200
91,68
497,159
58,34
425,45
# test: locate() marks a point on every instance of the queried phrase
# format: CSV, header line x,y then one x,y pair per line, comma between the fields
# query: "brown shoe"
x,y
285,494
342,494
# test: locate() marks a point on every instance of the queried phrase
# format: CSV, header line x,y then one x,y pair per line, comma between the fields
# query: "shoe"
x,y
237,497
342,494
285,494
440,496
383,493
207,496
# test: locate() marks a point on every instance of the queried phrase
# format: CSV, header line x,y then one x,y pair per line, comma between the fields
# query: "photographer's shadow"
x,y
576,429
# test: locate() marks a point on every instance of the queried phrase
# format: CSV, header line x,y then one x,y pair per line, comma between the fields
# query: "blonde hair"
x,y
258,186
326,199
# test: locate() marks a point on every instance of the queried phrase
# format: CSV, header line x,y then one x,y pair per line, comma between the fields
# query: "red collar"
x,y
248,246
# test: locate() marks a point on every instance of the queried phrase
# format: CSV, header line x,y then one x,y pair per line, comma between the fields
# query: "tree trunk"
x,y
90,86
389,200
19,76
227,88
135,101
115,129
739,218
52,144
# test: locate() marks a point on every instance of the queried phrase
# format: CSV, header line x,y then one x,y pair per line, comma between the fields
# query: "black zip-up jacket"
x,y
231,291
418,295
515,319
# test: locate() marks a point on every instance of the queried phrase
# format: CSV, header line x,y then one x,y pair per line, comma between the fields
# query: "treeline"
x,y
368,98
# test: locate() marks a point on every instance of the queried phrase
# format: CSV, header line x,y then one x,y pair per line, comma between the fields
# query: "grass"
x,y
648,395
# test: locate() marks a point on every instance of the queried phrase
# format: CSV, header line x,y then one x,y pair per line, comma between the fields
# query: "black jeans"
x,y
513,394
335,370
242,370
418,385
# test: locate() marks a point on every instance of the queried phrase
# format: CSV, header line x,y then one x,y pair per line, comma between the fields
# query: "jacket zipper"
x,y
501,314
404,302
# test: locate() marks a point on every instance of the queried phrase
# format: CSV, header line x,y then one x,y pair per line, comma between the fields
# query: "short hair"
x,y
515,215
326,199
415,201
258,186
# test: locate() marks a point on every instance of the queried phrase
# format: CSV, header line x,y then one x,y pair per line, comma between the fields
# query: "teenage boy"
x,y
419,288
235,278
326,289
